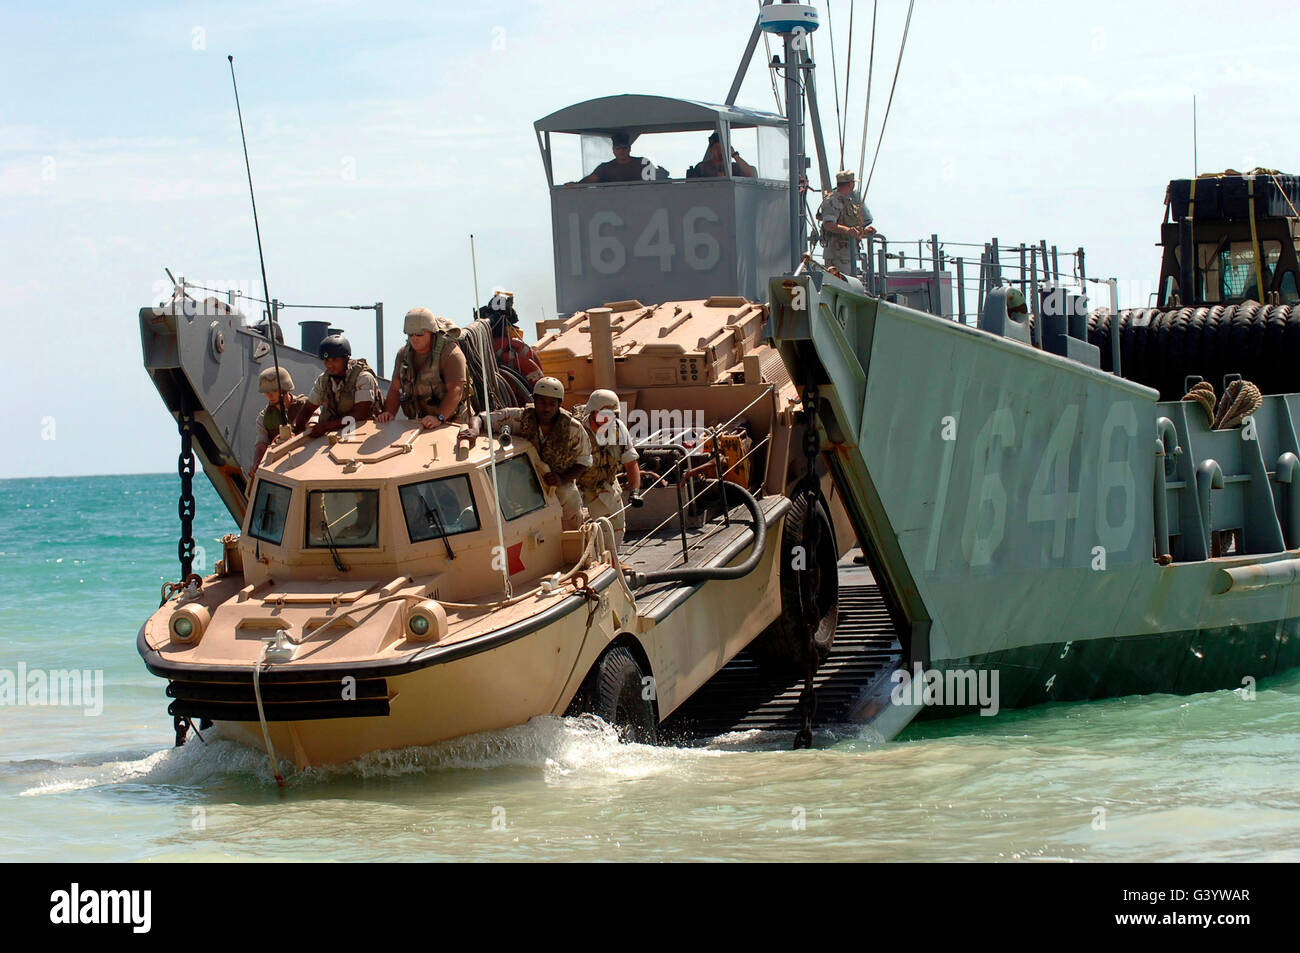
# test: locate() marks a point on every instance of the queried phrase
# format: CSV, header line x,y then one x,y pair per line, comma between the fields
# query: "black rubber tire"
x,y
783,646
1259,342
617,687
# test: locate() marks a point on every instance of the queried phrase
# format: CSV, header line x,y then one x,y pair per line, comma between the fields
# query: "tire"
x,y
782,648
616,696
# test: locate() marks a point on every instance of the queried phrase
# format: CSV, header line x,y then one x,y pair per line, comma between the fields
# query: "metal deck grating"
x,y
740,697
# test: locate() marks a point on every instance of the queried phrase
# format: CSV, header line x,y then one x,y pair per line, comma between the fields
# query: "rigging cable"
x,y
897,66
835,79
866,113
848,76
780,110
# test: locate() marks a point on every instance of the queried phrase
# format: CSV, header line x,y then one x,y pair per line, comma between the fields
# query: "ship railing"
x,y
943,294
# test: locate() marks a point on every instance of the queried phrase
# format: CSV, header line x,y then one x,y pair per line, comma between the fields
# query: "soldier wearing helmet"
x,y
844,218
268,418
1016,308
429,375
561,442
346,391
611,452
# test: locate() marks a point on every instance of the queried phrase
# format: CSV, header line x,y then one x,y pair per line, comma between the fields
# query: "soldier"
x,y
561,442
611,450
624,167
429,374
268,418
711,167
348,388
845,218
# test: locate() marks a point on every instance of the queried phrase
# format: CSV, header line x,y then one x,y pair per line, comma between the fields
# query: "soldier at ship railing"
x,y
624,167
711,166
611,452
347,389
268,418
430,374
844,218
561,442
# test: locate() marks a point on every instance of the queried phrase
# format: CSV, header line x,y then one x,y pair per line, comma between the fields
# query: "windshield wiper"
x,y
435,521
329,541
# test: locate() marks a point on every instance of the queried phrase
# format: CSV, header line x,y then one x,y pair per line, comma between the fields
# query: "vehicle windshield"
x,y
520,492
345,518
448,501
270,509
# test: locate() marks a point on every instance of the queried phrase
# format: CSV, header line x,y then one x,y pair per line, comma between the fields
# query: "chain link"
x,y
808,485
185,506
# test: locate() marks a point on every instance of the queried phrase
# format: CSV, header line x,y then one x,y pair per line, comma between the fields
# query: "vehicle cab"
x,y
395,500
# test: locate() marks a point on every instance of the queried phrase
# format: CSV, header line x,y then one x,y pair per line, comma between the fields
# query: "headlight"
x,y
187,623
426,621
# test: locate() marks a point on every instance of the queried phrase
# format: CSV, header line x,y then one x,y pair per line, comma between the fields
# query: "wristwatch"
x,y
441,418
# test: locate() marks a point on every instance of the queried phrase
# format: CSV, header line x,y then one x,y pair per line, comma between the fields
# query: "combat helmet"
x,y
602,400
268,381
419,319
336,345
549,387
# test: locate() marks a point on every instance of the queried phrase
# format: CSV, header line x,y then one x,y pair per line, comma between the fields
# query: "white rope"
x,y
261,715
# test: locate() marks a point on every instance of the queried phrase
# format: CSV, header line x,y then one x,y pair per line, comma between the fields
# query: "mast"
x,y
793,22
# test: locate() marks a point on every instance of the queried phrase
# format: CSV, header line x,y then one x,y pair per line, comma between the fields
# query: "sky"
x,y
382,135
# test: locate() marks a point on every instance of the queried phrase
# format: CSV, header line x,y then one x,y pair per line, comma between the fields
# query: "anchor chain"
x,y
185,506
811,450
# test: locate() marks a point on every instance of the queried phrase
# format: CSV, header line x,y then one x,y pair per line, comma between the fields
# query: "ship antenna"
x,y
487,420
270,309
1195,163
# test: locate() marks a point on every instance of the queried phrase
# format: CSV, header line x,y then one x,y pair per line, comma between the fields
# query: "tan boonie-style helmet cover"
x,y
844,175
267,381
549,387
1015,300
422,319
602,400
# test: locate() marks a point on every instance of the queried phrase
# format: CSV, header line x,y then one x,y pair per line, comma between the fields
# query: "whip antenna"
x,y
487,420
271,322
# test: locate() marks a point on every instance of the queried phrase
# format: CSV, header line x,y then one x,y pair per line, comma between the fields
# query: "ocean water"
x,y
1206,777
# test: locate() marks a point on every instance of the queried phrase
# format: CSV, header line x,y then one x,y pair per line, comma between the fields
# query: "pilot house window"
x,y
520,493
437,508
342,518
269,512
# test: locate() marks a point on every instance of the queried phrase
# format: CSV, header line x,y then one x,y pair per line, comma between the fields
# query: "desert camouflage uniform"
x,y
611,448
268,418
337,398
839,209
424,385
564,447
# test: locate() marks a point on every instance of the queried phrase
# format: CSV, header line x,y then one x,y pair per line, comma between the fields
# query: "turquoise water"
x,y
1206,777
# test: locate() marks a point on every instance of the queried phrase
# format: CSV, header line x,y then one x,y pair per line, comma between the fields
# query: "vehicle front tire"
x,y
618,690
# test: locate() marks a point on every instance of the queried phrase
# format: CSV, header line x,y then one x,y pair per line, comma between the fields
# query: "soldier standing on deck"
x,y
844,218
611,451
561,442
268,418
